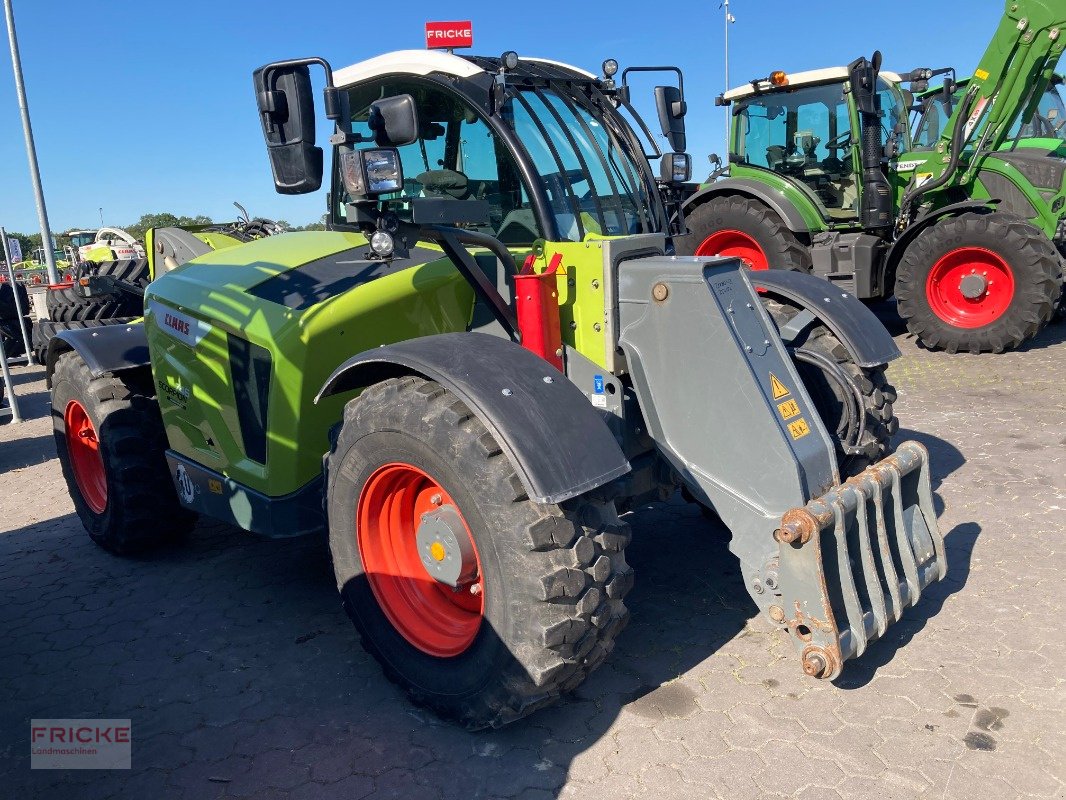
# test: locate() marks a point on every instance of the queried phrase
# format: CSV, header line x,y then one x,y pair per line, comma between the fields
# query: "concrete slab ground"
x,y
243,677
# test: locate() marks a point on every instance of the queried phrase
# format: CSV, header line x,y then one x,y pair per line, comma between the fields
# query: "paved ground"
x,y
243,678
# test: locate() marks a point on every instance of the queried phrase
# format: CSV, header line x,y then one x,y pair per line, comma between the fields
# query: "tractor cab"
x,y
804,128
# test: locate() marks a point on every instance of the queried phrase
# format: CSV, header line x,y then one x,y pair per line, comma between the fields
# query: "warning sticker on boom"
x,y
779,389
788,409
799,428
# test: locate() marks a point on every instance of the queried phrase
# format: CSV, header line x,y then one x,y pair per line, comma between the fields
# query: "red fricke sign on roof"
x,y
449,34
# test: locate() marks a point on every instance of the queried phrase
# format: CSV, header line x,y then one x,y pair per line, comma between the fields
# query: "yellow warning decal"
x,y
980,74
799,428
214,485
788,409
779,389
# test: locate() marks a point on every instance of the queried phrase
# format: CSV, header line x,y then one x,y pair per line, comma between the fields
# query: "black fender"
x,y
108,348
558,443
899,247
788,212
847,317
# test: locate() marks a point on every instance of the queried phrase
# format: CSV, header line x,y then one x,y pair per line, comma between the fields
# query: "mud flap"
x,y
852,560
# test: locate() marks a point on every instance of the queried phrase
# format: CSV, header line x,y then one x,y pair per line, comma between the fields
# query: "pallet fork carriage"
x,y
483,426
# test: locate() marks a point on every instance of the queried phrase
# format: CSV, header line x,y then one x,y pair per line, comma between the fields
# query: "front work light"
x,y
675,167
610,67
368,173
509,60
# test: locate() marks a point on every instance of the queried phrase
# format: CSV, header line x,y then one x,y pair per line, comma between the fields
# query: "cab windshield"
x,y
584,161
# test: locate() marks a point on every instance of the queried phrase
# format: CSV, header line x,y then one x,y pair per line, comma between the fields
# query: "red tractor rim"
x,y
430,615
88,464
970,287
737,245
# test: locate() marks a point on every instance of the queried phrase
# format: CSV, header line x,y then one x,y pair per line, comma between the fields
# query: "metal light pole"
x,y
31,151
19,310
729,20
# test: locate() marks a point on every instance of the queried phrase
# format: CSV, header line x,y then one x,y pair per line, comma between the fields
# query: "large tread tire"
x,y
67,304
130,270
878,395
142,508
1031,257
555,576
735,212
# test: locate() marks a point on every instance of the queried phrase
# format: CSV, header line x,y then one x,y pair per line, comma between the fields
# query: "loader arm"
x,y
1010,78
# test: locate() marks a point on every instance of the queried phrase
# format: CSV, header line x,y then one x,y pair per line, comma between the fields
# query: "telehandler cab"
x,y
824,178
484,423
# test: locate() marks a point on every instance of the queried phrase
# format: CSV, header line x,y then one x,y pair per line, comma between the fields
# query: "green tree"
x,y
163,219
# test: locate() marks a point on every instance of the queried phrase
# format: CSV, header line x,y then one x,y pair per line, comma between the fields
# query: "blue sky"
x,y
147,106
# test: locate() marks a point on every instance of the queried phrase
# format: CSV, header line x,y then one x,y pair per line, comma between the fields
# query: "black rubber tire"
x,y
130,270
555,575
142,508
878,395
8,309
736,212
45,330
11,333
1032,258
69,305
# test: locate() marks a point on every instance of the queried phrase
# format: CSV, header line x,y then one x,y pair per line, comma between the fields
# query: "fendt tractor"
x,y
488,357
824,178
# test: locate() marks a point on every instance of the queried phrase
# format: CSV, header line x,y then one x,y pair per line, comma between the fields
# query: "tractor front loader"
x,y
966,232
489,356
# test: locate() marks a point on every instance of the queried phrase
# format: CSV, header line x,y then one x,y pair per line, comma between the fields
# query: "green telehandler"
x,y
487,358
824,178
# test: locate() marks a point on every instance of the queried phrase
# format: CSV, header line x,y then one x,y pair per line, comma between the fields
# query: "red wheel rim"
x,y
432,616
970,287
737,245
85,459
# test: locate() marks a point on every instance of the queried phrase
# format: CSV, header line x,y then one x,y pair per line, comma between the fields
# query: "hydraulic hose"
x,y
912,194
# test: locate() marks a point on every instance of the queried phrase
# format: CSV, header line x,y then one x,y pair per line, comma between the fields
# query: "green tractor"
x,y
490,355
824,178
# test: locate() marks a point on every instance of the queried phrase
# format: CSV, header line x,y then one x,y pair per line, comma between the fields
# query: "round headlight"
x,y
382,244
509,60
610,67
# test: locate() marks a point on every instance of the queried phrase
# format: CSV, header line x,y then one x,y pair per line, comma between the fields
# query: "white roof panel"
x,y
405,62
808,77
421,62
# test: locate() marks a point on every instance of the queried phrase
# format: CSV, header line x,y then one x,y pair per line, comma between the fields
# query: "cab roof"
x,y
425,62
795,79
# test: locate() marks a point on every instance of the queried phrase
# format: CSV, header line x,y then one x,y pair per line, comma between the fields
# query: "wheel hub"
x,y
973,286
445,548
970,287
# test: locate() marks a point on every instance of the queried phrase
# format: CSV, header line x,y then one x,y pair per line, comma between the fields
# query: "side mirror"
x,y
287,111
394,121
716,161
672,109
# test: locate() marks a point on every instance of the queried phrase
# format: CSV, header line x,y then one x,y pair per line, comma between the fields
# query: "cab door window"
x,y
456,157
805,135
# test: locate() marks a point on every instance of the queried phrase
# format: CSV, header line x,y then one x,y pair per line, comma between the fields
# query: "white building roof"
x,y
803,79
